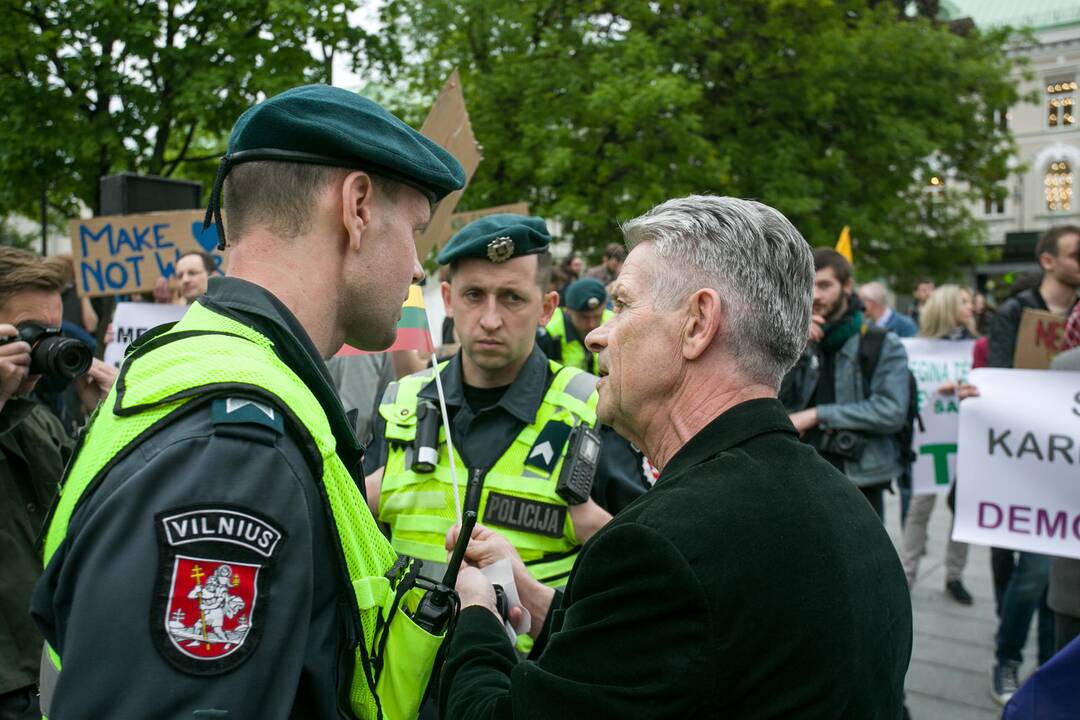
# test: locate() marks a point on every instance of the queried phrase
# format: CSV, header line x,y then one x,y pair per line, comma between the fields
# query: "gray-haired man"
x,y
753,579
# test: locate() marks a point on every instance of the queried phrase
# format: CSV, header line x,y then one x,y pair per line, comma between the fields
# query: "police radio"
x,y
437,607
579,466
426,442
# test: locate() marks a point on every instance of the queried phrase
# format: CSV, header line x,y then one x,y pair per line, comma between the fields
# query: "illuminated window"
x,y
1060,103
1059,187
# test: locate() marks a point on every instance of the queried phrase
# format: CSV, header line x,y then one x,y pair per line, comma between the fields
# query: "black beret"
x,y
497,238
325,125
585,294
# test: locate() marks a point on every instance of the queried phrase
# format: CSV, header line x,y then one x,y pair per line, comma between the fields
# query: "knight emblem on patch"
x,y
215,563
210,606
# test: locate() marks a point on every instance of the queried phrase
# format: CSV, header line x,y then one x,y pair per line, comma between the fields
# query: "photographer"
x,y
34,449
848,394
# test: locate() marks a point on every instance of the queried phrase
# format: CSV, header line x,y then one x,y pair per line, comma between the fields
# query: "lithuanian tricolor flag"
x,y
413,332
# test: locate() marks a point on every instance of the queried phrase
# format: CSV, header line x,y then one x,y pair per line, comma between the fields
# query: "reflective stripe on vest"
x,y
419,507
573,352
209,353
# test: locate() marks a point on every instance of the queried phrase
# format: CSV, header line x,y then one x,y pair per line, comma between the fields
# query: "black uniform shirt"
x,y
99,600
482,436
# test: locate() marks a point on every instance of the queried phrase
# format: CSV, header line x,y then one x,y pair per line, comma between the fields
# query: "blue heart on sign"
x,y
207,238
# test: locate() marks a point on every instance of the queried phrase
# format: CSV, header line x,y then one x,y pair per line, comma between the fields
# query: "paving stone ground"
x,y
949,675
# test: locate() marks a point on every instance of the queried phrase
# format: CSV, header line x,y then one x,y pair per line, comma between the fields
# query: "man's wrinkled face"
x,y
191,273
385,267
1065,266
585,321
639,348
829,294
43,307
496,308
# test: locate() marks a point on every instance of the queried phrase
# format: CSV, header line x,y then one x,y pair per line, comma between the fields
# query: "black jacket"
x,y
1006,323
98,601
33,451
753,581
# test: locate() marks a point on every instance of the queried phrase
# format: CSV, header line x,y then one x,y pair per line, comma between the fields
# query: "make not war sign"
x,y
1018,469
122,254
935,363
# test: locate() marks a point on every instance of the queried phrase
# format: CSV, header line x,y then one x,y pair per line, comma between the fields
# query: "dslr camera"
x,y
846,444
52,354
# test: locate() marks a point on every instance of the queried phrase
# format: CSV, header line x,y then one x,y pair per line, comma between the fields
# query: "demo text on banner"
x,y
1018,468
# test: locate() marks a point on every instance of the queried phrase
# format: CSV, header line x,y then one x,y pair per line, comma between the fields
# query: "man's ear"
x,y
548,303
357,206
704,319
445,289
1046,262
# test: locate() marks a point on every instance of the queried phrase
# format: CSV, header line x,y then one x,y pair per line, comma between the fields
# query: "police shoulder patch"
x,y
247,419
212,587
546,451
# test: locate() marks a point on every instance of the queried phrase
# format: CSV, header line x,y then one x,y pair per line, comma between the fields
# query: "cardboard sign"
x,y
1017,467
934,363
1041,336
460,220
123,254
132,319
448,125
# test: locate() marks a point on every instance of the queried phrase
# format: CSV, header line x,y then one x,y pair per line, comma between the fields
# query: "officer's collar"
x,y
257,307
522,399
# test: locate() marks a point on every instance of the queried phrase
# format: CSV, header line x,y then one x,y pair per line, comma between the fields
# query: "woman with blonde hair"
x,y
948,314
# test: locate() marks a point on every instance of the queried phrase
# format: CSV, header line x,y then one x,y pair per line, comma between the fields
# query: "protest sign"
x,y
1041,336
132,319
460,220
1017,466
933,363
123,254
448,125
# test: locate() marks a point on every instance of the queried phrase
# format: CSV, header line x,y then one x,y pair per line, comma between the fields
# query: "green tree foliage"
x,y
837,113
93,87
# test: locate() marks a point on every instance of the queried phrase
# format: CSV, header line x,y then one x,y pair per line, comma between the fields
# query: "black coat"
x,y
754,581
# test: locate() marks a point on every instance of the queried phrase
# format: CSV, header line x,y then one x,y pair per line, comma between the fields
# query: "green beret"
x,y
497,238
324,125
585,294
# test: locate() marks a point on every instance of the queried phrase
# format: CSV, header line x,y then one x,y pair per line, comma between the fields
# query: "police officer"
x,y
512,415
563,337
211,554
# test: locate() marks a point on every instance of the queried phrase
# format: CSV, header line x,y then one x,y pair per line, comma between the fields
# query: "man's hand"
x,y
588,518
95,384
487,547
14,363
817,331
804,419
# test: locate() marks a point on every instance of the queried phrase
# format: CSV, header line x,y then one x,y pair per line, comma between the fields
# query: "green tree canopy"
x,y
94,87
836,113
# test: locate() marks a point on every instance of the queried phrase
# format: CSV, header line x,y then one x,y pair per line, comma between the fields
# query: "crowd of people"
x,y
678,460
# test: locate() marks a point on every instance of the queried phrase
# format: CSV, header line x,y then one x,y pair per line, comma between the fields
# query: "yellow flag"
x,y
843,245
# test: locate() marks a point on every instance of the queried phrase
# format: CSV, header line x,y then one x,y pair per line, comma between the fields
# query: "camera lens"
x,y
60,357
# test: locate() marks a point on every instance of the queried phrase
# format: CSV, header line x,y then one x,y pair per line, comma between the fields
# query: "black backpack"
x,y
869,353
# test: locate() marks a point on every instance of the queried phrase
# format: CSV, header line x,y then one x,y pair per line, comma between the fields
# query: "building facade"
x,y
1040,193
